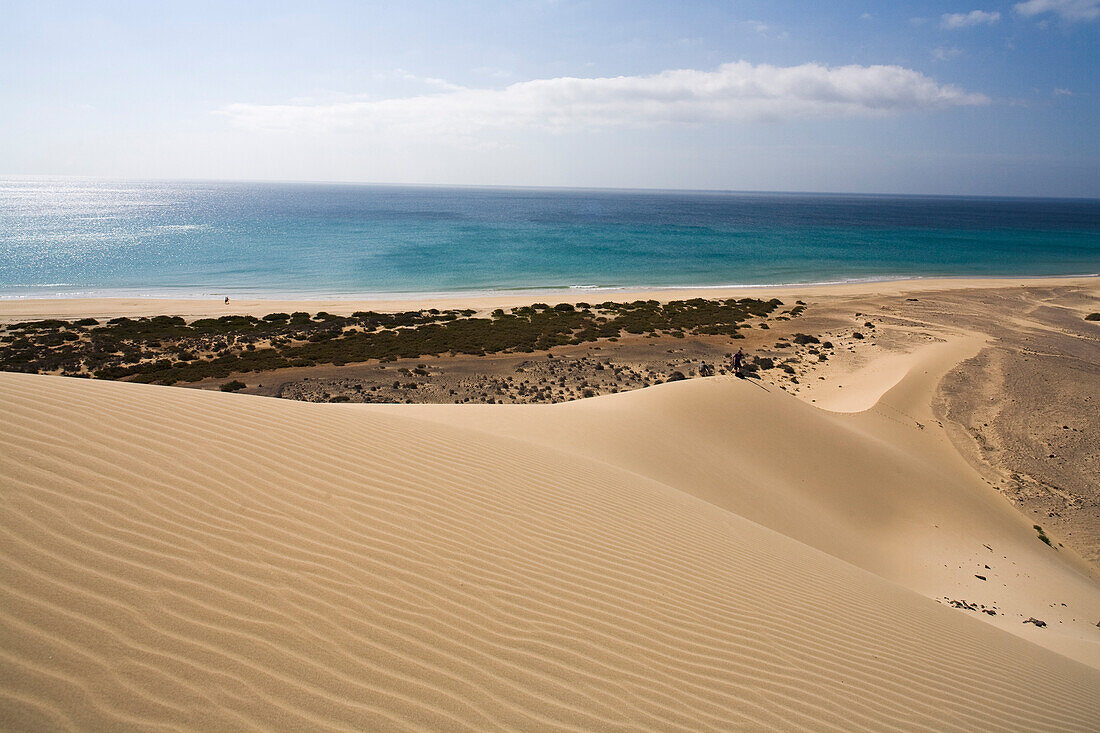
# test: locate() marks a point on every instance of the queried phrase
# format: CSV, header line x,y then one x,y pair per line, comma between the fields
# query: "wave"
x,y
534,291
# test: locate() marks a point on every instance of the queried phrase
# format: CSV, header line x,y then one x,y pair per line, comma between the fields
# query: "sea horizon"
x,y
26,177
93,237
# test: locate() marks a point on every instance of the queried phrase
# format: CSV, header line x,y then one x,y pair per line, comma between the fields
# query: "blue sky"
x,y
937,97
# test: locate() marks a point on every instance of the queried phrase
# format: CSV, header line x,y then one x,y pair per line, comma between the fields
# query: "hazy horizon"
x,y
520,186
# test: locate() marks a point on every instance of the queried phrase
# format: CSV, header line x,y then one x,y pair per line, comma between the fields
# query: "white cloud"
x,y
764,30
733,92
943,53
428,81
954,21
1068,10
1060,92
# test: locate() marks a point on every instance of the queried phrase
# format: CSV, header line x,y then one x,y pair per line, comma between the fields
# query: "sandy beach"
x,y
23,309
899,530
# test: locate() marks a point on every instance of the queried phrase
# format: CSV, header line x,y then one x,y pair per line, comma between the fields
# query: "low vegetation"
x,y
168,349
1042,535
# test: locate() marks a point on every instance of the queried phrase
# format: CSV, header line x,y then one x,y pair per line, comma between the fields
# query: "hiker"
x,y
227,300
738,360
704,370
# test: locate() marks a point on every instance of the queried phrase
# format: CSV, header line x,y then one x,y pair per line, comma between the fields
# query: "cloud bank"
x,y
954,21
733,92
1068,10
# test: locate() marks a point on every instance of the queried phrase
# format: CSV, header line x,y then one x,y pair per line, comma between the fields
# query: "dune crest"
x,y
883,489
204,560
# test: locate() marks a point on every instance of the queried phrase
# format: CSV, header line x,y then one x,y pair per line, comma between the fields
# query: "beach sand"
x,y
793,552
24,309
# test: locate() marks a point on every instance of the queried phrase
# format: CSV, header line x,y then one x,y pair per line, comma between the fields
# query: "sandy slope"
x,y
883,489
196,559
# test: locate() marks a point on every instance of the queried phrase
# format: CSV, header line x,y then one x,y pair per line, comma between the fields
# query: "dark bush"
x,y
857,335
1042,535
805,338
765,362
675,377
233,386
1093,317
138,348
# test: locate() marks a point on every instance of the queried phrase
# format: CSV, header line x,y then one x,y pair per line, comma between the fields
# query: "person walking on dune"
x,y
738,362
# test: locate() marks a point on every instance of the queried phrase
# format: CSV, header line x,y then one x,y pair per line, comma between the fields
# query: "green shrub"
x,y
1042,535
126,348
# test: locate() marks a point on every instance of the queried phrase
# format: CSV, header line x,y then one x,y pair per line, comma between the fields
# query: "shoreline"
x,y
14,310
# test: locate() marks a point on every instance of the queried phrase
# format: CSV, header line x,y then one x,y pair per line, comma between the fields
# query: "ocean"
x,y
82,238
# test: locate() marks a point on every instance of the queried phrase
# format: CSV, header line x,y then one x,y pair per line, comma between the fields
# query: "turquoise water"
x,y
83,238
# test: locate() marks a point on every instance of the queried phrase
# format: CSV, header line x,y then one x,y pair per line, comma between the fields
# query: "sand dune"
x,y
883,489
199,560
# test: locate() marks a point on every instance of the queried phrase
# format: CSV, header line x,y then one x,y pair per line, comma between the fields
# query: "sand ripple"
x,y
183,559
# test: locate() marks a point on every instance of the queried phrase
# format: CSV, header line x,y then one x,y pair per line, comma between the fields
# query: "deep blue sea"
x,y
65,237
